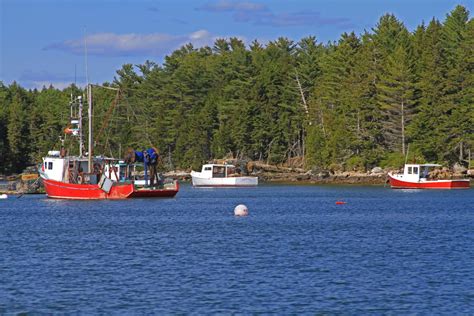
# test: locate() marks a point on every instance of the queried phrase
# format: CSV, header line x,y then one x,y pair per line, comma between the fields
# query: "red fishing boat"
x,y
84,177
416,176
68,178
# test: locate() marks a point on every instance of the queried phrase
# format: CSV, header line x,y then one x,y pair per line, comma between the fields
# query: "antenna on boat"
x,y
85,56
89,95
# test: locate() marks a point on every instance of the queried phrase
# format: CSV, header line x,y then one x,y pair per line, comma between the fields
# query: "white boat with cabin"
x,y
221,175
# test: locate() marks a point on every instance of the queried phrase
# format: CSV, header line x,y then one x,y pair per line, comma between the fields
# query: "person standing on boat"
x,y
150,157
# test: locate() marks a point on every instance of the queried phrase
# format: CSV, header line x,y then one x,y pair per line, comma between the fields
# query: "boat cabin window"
x,y
218,172
207,168
45,165
409,170
415,170
50,165
230,170
425,172
123,173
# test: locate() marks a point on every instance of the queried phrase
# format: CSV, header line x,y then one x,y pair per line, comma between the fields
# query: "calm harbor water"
x,y
385,251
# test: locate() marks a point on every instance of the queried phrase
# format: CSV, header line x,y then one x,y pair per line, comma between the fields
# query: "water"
x,y
385,251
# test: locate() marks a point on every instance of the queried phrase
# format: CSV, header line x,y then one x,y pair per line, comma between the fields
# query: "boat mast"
x,y
81,138
89,101
75,122
90,149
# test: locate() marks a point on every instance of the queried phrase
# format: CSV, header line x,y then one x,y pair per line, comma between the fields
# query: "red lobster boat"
x,y
416,176
63,178
84,177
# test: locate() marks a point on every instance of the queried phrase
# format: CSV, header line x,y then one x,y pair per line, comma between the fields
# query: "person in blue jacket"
x,y
149,157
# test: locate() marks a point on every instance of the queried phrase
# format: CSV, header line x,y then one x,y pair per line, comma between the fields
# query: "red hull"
x,y
224,186
62,190
146,192
433,184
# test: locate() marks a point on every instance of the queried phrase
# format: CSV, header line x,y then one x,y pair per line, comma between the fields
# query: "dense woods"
x,y
351,104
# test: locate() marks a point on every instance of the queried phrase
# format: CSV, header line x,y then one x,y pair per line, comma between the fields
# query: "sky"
x,y
42,41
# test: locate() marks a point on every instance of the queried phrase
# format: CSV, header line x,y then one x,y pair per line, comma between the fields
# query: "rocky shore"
x,y
29,183
325,178
25,183
280,174
376,176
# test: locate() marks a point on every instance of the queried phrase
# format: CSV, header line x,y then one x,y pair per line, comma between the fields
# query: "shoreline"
x,y
325,179
284,178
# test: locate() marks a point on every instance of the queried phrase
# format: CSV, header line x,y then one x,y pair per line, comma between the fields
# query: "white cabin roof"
x,y
218,165
424,165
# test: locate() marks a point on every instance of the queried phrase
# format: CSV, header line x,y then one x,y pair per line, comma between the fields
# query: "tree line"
x,y
366,100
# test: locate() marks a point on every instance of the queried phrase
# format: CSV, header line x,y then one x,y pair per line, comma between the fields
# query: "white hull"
x,y
200,181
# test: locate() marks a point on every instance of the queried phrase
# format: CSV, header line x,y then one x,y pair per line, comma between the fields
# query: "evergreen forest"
x,y
362,101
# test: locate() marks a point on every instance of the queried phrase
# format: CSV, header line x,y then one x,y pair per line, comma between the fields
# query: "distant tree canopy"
x,y
355,103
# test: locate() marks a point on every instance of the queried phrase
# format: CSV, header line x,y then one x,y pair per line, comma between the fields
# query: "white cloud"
x,y
133,44
259,14
226,5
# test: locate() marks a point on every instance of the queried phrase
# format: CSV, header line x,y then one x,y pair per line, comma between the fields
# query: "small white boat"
x,y
217,175
3,196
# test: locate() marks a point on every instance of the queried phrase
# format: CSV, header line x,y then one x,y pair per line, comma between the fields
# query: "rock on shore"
x,y
325,177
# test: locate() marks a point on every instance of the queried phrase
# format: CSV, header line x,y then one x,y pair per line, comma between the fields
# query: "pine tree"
x,y
453,123
49,116
368,118
396,97
395,80
425,130
17,130
4,150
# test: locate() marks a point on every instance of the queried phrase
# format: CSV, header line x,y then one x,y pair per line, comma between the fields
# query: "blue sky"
x,y
42,41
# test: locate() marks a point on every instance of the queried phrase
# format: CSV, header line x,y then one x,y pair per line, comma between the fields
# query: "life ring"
x,y
79,179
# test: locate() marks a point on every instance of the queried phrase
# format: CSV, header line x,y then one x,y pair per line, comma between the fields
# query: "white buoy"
x,y
3,196
241,210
